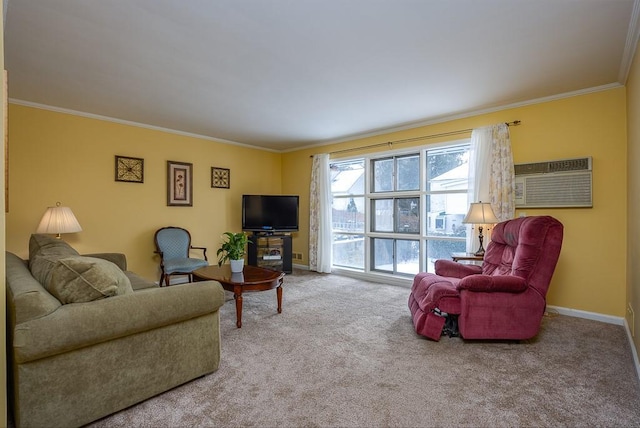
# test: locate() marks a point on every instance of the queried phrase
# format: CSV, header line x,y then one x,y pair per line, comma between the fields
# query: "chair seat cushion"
x,y
183,265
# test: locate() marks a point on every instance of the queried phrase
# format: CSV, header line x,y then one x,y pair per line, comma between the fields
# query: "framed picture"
x,y
129,169
220,177
179,184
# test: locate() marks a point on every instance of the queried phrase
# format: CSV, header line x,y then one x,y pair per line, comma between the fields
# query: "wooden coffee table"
x,y
252,278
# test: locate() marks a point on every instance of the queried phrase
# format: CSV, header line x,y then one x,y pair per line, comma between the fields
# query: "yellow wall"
x,y
61,157
633,195
591,271
67,158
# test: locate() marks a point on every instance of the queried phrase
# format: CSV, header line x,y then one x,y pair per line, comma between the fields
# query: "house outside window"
x,y
399,212
348,213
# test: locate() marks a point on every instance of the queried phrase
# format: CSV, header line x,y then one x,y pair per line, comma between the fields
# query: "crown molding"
x,y
382,131
633,34
136,124
463,115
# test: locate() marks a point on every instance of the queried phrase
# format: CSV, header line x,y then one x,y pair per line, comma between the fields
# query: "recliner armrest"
x,y
487,283
455,270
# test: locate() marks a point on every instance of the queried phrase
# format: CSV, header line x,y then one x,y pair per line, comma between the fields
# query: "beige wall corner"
x,y
632,308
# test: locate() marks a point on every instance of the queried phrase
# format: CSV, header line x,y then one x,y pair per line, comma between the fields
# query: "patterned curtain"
x,y
320,245
491,173
502,175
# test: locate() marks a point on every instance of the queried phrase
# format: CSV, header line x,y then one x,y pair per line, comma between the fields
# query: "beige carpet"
x,y
343,353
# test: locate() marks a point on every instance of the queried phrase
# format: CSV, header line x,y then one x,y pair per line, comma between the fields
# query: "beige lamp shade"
x,y
480,213
57,220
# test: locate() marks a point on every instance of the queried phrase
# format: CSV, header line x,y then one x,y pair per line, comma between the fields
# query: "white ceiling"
x,y
281,74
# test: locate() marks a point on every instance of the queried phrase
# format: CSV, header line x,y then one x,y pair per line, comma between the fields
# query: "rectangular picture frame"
x,y
129,169
220,177
179,184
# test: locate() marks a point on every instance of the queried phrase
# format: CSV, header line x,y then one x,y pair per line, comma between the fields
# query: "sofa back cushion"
x,y
44,252
72,278
78,279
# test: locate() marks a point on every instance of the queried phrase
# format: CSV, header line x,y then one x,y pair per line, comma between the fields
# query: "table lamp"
x,y
57,220
480,213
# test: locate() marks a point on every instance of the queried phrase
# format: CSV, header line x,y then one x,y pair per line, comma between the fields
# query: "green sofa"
x,y
87,338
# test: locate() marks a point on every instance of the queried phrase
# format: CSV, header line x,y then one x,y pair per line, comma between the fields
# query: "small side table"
x,y
467,257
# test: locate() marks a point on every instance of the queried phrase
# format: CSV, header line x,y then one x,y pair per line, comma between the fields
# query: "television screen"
x,y
270,213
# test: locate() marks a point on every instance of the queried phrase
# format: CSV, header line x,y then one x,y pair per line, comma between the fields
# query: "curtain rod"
x,y
410,140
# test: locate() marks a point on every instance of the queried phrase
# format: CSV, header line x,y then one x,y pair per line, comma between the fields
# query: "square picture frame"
x,y
130,170
220,177
179,184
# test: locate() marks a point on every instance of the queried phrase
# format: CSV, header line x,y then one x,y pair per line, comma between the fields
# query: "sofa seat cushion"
x,y
138,282
78,279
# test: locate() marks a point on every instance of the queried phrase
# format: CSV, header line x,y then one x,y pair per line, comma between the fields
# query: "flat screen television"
x,y
270,213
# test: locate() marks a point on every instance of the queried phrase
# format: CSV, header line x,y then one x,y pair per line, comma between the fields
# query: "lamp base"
x,y
480,251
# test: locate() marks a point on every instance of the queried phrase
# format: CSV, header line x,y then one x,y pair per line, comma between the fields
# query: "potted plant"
x,y
233,249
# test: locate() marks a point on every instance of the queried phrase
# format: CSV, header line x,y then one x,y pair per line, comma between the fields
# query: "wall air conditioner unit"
x,y
564,183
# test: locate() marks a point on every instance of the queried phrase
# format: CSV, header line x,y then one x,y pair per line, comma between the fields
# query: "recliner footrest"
x,y
451,326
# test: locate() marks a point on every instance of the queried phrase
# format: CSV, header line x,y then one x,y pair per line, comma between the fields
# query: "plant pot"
x,y
236,265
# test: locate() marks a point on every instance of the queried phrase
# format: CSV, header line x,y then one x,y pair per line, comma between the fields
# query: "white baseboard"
x,y
609,319
633,347
602,318
302,267
383,278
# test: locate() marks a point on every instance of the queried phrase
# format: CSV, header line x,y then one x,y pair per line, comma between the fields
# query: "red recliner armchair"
x,y
502,299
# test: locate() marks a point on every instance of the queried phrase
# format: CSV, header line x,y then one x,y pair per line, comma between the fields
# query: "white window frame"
x,y
422,193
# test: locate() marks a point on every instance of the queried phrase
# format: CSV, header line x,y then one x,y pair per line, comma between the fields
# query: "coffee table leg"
x,y
238,296
279,294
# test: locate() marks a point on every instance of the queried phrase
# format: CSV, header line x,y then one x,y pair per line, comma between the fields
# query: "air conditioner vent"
x,y
532,168
582,164
554,184
563,165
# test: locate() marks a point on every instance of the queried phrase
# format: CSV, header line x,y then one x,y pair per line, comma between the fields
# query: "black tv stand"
x,y
271,250
266,233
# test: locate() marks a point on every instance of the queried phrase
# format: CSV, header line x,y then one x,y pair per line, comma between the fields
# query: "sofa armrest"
x,y
486,283
453,269
118,259
78,325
